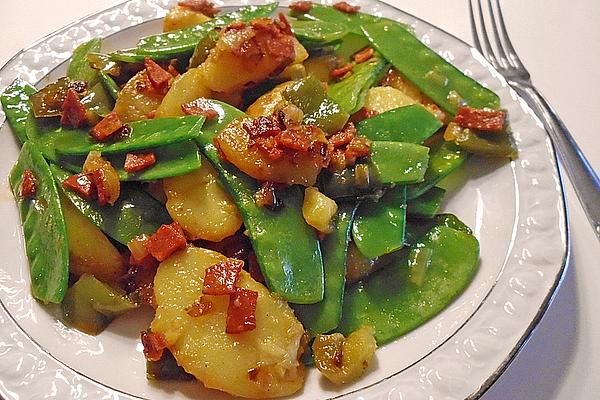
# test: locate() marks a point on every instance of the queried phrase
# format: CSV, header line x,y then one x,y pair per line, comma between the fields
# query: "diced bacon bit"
x,y
344,136
241,313
28,185
362,114
202,6
267,197
359,147
154,345
73,112
301,6
265,37
254,268
200,307
109,125
151,114
82,185
295,138
345,7
165,241
171,68
338,161
487,120
158,76
363,55
99,179
342,71
138,162
221,278
200,106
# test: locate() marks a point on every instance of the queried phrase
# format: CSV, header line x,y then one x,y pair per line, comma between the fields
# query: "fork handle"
x,y
583,177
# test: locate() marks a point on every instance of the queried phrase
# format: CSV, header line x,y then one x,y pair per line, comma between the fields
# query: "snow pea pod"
x,y
110,85
308,95
398,163
318,33
394,305
324,13
427,204
43,227
79,67
411,124
444,157
379,225
171,44
134,213
324,316
350,92
446,85
343,185
144,134
286,247
15,102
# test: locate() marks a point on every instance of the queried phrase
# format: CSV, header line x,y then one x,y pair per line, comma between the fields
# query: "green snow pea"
x,y
43,227
397,162
171,44
394,305
350,92
324,13
79,67
144,134
134,213
324,316
16,105
411,124
487,144
98,100
308,95
286,247
417,226
428,204
318,33
439,80
379,225
110,85
341,185
444,157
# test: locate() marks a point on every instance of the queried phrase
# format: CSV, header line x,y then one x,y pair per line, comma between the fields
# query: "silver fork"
x,y
502,55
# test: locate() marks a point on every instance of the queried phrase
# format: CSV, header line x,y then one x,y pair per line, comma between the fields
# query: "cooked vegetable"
x,y
260,363
393,305
318,210
201,206
398,163
411,124
428,204
378,227
43,223
184,89
325,315
136,99
344,360
380,99
143,134
79,68
180,17
90,305
16,105
438,79
488,144
90,252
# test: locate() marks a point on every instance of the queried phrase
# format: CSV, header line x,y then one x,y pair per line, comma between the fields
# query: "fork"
x,y
504,58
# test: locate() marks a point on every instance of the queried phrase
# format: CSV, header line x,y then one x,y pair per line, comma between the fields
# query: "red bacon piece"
x,y
154,345
301,6
73,112
82,185
344,136
138,162
363,55
109,125
241,313
200,307
345,7
28,185
165,241
340,72
294,139
202,6
481,119
200,106
100,180
221,278
158,76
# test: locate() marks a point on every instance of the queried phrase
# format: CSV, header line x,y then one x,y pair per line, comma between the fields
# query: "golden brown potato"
x,y
291,167
342,360
318,210
198,202
261,363
137,99
269,102
90,252
180,17
247,54
385,98
185,88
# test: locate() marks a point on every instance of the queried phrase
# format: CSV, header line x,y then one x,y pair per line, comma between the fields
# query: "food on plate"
x,y
266,184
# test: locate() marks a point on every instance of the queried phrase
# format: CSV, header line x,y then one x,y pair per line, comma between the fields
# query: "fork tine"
x,y
502,56
474,28
486,49
512,54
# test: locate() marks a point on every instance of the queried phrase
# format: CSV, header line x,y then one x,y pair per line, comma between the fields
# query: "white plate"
x,y
516,210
